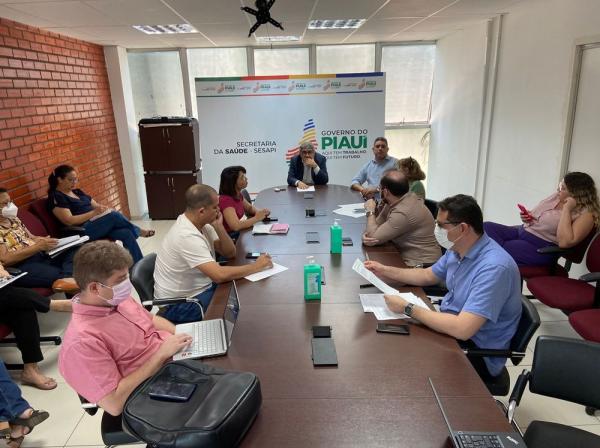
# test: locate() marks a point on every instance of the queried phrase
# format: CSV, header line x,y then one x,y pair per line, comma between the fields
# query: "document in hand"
x,y
65,243
11,278
359,267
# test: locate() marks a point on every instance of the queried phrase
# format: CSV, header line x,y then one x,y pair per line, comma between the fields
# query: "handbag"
x,y
218,413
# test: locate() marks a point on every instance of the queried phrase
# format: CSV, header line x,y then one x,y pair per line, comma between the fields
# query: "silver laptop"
x,y
211,337
470,439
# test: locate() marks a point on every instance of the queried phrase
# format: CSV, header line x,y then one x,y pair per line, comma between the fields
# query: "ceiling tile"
x,y
65,13
447,24
385,27
412,8
209,11
22,17
135,12
470,7
342,9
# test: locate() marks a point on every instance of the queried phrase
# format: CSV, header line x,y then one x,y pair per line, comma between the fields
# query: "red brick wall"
x,y
55,108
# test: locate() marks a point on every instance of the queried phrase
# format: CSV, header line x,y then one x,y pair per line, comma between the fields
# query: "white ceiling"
x,y
221,23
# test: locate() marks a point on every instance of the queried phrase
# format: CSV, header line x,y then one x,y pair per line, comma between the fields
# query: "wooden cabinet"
x,y
166,194
170,146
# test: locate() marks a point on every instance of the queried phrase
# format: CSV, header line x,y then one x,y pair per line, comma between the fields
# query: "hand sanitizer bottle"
x,y
336,238
312,280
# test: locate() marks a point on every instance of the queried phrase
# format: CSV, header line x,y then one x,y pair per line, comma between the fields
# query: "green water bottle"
x,y
312,280
336,238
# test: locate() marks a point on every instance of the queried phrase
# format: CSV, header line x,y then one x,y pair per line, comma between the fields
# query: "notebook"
x,y
211,337
476,439
67,242
11,278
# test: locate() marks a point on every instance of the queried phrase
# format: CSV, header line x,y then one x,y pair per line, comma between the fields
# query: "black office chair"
x,y
111,428
432,206
528,324
142,278
566,369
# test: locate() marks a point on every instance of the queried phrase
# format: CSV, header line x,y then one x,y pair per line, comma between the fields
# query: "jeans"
x,y
116,227
12,403
189,312
520,244
43,270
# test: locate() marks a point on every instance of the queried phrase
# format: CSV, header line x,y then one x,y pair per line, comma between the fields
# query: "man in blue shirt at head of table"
x,y
483,305
367,179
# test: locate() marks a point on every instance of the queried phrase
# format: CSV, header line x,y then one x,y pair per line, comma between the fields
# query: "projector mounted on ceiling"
x,y
262,15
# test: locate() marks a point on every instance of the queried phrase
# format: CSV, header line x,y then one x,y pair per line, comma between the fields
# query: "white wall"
x,y
530,113
456,109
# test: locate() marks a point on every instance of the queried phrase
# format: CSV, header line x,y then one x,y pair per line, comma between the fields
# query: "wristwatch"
x,y
370,213
408,309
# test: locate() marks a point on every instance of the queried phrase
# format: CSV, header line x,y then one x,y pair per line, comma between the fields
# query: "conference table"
x,y
379,394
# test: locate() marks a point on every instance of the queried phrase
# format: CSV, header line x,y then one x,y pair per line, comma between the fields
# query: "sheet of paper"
x,y
259,228
375,303
359,267
74,242
350,212
358,205
276,269
306,190
386,314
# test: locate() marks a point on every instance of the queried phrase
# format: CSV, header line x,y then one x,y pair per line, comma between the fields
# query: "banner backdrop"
x,y
259,123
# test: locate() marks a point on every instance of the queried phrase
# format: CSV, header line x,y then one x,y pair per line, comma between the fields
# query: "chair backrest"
x,y
566,369
33,224
4,331
39,208
142,277
432,206
592,261
528,324
576,253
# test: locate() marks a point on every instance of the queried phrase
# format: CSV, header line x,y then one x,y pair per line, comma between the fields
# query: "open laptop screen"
x,y
230,314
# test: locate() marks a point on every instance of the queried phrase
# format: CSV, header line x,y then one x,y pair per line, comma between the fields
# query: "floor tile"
x,y
87,431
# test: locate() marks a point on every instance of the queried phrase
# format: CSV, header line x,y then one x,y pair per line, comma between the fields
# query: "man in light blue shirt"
x,y
483,303
371,172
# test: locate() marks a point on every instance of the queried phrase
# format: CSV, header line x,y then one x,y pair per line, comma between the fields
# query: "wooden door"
x,y
181,182
159,193
180,141
154,149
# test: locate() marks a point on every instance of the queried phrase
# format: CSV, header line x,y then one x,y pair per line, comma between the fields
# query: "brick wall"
x,y
55,108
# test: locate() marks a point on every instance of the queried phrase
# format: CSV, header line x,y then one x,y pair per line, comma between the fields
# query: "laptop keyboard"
x,y
479,441
208,337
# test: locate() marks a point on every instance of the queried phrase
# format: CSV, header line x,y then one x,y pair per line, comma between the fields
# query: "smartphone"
x,y
270,219
312,237
347,241
393,328
171,391
525,211
253,255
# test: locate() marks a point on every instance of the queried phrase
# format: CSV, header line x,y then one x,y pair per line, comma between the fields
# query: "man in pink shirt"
x,y
112,344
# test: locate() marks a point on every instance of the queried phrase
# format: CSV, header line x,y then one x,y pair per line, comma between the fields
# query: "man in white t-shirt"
x,y
186,265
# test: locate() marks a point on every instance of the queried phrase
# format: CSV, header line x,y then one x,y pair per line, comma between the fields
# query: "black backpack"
x,y
218,413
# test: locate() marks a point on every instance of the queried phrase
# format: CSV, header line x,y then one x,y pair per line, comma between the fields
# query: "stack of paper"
x,y
270,229
353,210
65,243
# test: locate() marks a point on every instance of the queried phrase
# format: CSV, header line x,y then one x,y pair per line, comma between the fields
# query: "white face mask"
x,y
441,236
10,210
121,292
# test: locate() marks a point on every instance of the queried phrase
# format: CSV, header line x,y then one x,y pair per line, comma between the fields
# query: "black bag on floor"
x,y
220,410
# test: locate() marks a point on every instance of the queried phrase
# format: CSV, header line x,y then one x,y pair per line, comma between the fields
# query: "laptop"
x,y
211,337
467,439
11,278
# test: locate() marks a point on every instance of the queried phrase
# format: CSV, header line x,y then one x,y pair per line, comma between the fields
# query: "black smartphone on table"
x,y
270,219
171,391
347,241
393,328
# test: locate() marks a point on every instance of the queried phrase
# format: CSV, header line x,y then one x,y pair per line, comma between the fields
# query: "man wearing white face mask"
x,y
22,250
483,303
112,344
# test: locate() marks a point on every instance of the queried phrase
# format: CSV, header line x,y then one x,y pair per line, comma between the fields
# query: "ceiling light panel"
x,y
335,24
183,28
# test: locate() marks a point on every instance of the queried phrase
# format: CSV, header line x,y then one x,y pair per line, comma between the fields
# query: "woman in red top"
x,y
232,203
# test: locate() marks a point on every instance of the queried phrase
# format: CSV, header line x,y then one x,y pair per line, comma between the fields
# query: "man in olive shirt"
x,y
402,218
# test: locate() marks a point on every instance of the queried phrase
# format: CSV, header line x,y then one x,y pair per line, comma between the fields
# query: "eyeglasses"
x,y
442,224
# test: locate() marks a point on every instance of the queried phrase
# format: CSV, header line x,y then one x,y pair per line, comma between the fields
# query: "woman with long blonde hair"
x,y
564,219
413,172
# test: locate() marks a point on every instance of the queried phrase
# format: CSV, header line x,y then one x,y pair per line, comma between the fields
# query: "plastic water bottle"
x,y
335,238
312,280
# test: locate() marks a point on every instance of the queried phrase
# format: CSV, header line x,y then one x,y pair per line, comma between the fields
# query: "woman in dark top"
x,y
18,307
73,207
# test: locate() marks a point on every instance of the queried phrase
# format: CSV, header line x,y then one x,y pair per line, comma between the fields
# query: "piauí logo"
x,y
309,135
